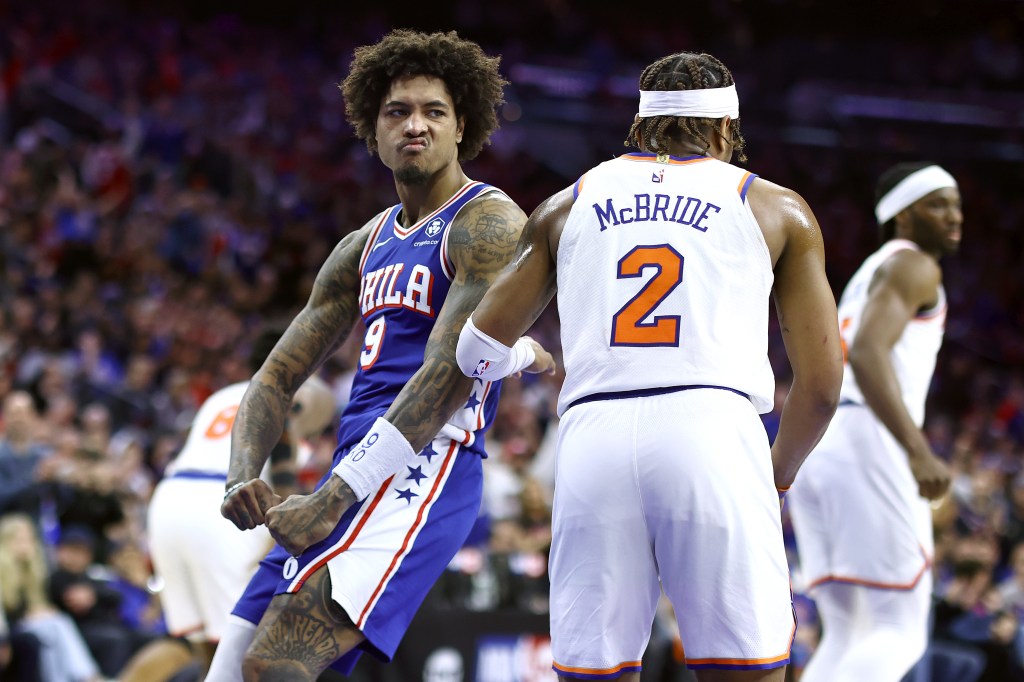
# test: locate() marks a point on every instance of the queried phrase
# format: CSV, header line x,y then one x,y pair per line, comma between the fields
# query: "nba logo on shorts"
x,y
434,226
481,367
291,567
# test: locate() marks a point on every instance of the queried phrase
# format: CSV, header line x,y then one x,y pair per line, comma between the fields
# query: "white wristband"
x,y
480,356
382,452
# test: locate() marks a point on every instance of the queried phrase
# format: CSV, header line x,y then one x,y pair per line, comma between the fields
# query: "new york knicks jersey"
x,y
913,356
406,274
207,448
664,278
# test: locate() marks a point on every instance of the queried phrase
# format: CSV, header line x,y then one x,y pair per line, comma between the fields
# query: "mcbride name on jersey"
x,y
646,207
405,276
664,280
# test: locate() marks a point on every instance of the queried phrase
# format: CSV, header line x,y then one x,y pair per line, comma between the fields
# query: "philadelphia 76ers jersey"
x,y
406,274
664,278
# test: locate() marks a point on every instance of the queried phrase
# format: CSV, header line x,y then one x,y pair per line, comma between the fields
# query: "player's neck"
x,y
420,200
935,253
683,149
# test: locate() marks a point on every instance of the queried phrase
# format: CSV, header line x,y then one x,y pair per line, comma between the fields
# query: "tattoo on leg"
x,y
331,607
308,632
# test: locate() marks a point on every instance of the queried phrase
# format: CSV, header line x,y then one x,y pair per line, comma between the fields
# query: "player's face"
x,y
937,219
418,131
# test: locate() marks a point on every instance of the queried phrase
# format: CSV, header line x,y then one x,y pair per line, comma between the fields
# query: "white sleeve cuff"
x,y
480,356
382,452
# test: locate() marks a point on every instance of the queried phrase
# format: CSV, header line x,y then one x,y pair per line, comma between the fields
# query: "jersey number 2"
x,y
628,326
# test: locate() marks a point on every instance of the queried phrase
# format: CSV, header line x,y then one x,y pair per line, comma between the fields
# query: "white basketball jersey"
x,y
208,447
913,356
663,281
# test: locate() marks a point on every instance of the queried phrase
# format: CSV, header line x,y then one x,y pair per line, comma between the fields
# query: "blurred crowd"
x,y
168,185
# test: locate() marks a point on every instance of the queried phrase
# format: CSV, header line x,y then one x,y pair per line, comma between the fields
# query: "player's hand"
x,y
544,362
304,520
931,473
247,505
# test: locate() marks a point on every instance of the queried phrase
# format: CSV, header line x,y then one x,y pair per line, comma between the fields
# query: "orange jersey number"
x,y
628,326
221,424
843,326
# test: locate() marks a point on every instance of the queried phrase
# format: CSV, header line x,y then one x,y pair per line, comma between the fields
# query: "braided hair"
x,y
886,182
683,71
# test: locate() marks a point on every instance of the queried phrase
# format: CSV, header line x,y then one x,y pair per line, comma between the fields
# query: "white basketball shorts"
x,y
676,487
856,510
204,560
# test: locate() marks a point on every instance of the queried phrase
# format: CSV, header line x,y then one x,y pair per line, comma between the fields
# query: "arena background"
x,y
172,174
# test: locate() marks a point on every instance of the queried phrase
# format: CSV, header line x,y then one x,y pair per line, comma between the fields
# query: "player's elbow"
x,y
826,400
820,391
862,358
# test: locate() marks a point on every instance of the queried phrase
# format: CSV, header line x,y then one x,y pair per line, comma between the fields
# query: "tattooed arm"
x,y
481,242
314,334
524,289
481,245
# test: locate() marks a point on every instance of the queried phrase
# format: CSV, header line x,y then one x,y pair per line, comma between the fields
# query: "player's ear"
x,y
724,127
460,129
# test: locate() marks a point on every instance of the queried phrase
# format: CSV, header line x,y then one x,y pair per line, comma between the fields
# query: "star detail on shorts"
x,y
415,474
428,452
472,402
406,494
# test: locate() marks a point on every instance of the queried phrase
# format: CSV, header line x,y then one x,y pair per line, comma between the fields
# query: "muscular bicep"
x,y
526,286
883,320
312,336
482,245
903,285
482,241
804,301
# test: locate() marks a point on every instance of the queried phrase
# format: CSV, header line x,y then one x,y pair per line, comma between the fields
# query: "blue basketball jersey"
x,y
406,274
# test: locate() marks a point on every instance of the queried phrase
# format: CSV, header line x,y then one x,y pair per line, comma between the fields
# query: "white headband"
x,y
703,103
910,189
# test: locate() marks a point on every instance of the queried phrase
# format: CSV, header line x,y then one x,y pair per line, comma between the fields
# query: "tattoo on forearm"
x,y
434,375
260,421
482,243
310,339
428,400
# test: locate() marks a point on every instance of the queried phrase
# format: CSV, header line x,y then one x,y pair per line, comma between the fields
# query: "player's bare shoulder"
x,y
914,274
484,235
547,221
783,215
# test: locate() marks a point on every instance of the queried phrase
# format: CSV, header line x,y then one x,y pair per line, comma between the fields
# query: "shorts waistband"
x,y
202,475
647,392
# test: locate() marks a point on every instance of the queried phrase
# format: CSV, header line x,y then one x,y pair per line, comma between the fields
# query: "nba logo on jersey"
x,y
481,367
659,176
434,226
